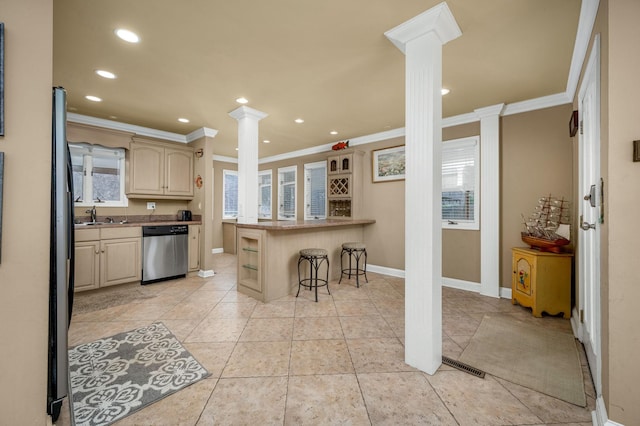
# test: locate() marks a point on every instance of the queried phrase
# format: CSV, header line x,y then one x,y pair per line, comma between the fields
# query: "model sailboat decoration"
x,y
547,228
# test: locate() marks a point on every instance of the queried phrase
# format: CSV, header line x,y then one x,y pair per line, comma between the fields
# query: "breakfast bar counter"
x,y
268,252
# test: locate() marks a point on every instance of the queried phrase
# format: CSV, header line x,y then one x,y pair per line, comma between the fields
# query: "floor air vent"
x,y
463,367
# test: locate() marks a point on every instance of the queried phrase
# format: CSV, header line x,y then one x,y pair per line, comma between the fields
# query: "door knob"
x,y
586,225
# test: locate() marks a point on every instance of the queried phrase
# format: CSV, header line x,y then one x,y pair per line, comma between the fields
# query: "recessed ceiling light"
x,y
106,74
242,100
236,149
128,36
183,120
93,98
299,120
333,132
113,117
266,141
444,91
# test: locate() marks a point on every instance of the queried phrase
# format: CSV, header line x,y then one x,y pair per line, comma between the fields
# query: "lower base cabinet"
x,y
194,248
107,256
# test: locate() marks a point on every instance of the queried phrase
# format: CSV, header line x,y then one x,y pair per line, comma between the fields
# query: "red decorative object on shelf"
x,y
340,145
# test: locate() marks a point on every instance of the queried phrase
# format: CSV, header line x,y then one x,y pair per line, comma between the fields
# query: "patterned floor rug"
x,y
119,375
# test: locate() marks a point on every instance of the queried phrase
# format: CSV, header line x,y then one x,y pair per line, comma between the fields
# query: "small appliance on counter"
x,y
184,215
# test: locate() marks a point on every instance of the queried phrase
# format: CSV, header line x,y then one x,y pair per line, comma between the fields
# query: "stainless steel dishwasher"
x,y
164,252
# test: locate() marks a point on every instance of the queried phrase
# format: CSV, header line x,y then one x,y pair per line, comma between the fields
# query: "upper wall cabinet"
x,y
159,171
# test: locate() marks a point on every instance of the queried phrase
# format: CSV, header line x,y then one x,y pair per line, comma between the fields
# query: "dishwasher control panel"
x,y
151,231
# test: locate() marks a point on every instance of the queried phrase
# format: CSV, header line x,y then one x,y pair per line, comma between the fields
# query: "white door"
x,y
590,211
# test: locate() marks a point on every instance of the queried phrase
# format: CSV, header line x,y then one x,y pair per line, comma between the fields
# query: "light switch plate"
x,y
151,206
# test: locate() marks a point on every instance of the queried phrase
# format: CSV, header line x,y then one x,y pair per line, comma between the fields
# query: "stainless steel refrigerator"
x,y
61,259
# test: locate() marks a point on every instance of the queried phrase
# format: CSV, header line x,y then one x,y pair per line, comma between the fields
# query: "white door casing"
x,y
590,211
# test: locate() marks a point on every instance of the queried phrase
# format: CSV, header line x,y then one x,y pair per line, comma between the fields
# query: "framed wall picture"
x,y
388,164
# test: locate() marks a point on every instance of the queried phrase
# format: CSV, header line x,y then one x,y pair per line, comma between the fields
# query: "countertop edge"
x,y
138,224
306,224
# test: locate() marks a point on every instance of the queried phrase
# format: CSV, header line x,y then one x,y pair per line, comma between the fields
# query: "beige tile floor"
x,y
338,361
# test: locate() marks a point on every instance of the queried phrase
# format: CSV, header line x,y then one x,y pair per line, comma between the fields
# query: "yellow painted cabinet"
x,y
159,170
194,247
541,281
87,265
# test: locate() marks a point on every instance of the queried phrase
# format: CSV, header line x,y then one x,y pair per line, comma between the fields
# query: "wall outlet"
x,y
151,206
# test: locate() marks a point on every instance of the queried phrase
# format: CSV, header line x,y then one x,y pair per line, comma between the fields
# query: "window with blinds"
x,y
287,193
315,190
461,183
264,194
229,194
98,175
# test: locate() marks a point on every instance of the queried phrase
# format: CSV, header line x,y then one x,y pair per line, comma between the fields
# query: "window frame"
x,y
474,143
307,194
88,152
226,173
260,185
281,171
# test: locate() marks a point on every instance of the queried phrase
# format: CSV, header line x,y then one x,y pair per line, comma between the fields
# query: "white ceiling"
x,y
327,62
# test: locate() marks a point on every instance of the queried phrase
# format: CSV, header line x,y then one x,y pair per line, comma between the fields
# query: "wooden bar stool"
x,y
355,250
316,257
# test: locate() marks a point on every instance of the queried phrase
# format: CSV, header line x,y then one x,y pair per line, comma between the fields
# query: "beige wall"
x,y
24,271
622,196
536,160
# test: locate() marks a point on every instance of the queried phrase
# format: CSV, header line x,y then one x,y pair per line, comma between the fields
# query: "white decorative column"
x,y
247,162
490,199
421,40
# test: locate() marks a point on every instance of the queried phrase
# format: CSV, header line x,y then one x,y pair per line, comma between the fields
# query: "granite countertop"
x,y
288,225
134,224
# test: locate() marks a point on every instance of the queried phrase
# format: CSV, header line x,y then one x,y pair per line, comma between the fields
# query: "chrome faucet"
x,y
92,210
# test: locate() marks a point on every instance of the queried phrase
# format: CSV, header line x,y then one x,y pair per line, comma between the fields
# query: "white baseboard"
x,y
576,326
217,250
461,284
505,292
386,271
599,416
206,274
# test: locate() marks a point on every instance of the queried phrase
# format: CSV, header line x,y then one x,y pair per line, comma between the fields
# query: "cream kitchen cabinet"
x,y
107,256
194,248
344,185
159,170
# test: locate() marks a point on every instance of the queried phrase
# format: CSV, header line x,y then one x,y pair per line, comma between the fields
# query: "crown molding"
x,y
490,111
201,133
140,130
537,103
438,20
588,13
457,120
224,159
247,112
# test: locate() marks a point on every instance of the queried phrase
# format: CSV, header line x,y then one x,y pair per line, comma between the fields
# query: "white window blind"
x,y
98,175
460,183
315,190
264,194
287,193
229,194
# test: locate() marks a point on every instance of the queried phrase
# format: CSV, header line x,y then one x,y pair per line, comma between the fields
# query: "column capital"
x,y
490,111
438,20
246,112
